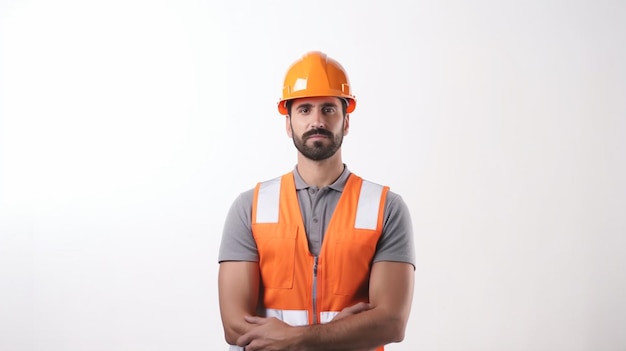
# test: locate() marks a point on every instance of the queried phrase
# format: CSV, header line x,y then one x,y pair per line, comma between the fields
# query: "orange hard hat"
x,y
316,74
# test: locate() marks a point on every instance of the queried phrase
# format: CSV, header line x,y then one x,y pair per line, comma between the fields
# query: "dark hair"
x,y
344,105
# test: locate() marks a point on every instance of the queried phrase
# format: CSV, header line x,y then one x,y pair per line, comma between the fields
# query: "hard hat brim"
x,y
351,100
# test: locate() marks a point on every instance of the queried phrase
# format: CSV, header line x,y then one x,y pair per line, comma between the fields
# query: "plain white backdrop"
x,y
127,128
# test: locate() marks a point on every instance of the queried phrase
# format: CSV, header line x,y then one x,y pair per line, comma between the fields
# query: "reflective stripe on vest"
x,y
268,201
296,317
367,210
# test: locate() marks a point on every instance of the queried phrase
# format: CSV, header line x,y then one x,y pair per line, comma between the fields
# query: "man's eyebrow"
x,y
307,105
310,105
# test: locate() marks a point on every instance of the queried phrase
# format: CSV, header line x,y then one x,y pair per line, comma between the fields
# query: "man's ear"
x,y
346,124
288,126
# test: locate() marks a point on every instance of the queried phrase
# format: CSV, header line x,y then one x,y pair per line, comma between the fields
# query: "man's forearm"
x,y
238,284
366,330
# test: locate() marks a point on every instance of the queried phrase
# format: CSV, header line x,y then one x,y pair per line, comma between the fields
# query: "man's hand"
x,y
268,334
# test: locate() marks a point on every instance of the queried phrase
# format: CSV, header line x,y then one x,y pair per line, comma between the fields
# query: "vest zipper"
x,y
315,290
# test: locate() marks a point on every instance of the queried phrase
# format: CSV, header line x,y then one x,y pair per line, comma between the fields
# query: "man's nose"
x,y
316,119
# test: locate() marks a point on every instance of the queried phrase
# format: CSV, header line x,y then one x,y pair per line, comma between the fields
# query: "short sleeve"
x,y
237,242
396,242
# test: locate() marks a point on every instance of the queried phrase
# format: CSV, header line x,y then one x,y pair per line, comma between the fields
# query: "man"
x,y
317,259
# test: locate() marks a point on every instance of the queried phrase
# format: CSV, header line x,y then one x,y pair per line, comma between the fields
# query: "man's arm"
x,y
238,286
391,295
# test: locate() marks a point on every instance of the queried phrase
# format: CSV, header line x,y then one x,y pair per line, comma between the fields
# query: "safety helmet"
x,y
316,74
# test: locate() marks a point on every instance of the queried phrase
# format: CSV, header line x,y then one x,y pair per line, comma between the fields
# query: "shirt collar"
x,y
338,185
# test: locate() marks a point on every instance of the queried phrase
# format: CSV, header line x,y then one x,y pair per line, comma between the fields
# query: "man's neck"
x,y
320,173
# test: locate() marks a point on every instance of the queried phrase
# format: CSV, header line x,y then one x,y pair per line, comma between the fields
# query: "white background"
x,y
127,128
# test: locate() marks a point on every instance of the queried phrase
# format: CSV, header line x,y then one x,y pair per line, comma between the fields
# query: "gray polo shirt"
x,y
317,206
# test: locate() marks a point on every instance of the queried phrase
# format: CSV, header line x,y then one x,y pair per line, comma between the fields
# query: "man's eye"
x,y
329,110
305,110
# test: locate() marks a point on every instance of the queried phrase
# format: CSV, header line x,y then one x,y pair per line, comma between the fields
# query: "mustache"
x,y
317,131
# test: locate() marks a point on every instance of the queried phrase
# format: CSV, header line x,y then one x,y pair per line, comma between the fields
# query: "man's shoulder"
x,y
273,179
376,182
244,199
392,197
247,196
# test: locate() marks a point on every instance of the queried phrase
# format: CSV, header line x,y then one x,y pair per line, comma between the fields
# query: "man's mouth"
x,y
315,134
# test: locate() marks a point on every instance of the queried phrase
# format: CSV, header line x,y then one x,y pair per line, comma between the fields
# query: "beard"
x,y
319,150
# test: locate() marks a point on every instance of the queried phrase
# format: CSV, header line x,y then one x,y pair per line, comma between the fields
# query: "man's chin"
x,y
317,143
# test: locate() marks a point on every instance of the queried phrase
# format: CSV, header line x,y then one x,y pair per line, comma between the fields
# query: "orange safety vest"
x,y
297,287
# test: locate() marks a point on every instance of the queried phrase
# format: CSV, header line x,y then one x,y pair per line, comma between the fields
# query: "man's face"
x,y
317,126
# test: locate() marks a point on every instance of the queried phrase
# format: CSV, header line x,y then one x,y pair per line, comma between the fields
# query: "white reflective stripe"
x,y
326,317
235,348
367,209
267,201
292,317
